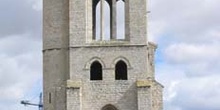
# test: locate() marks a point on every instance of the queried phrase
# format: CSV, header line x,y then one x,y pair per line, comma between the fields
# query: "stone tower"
x,y
82,70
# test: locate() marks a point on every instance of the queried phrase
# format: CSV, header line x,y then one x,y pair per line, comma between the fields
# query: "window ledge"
x,y
108,42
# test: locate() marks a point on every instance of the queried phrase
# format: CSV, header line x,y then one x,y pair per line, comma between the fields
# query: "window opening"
x,y
98,29
102,21
96,71
121,71
106,21
120,19
49,97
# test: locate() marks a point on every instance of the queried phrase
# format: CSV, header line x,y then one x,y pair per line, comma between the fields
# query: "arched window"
x,y
101,20
120,19
109,107
96,71
98,29
121,71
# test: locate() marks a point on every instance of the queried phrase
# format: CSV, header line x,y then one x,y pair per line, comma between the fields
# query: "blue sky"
x,y
187,62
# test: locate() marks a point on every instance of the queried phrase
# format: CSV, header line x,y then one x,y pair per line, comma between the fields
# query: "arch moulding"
x,y
109,107
88,64
121,58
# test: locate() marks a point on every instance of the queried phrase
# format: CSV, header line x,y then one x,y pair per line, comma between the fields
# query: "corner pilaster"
x,y
73,95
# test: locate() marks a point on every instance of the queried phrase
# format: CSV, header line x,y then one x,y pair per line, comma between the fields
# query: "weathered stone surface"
x,y
69,50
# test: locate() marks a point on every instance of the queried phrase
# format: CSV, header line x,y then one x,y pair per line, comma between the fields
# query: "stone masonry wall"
x,y
68,51
157,96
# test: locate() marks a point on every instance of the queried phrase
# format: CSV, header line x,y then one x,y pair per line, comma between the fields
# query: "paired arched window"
x,y
108,19
121,71
96,71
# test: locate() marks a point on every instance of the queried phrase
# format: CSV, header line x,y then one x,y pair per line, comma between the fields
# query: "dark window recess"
x,y
96,71
121,71
49,97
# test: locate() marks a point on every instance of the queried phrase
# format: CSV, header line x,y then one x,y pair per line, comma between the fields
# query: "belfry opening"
x,y
121,71
108,20
96,71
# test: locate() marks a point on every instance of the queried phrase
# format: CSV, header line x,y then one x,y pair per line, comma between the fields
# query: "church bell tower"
x,y
96,56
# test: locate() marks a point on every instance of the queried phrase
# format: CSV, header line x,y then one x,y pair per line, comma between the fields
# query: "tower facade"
x,y
96,56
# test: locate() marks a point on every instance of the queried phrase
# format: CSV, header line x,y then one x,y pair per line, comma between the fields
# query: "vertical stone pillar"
x,y
78,28
144,98
93,23
55,53
114,20
90,32
144,95
102,23
151,57
73,99
136,23
73,94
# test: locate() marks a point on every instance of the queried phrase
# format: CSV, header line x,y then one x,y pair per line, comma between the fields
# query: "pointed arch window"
x,y
121,71
101,19
96,71
108,19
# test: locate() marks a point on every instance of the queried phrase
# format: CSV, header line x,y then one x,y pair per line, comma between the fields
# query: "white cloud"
x,y
16,78
20,52
20,68
194,59
18,17
184,20
199,93
182,52
188,93
36,4
187,32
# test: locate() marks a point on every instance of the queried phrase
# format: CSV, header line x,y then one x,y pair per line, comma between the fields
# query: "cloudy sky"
x,y
187,60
